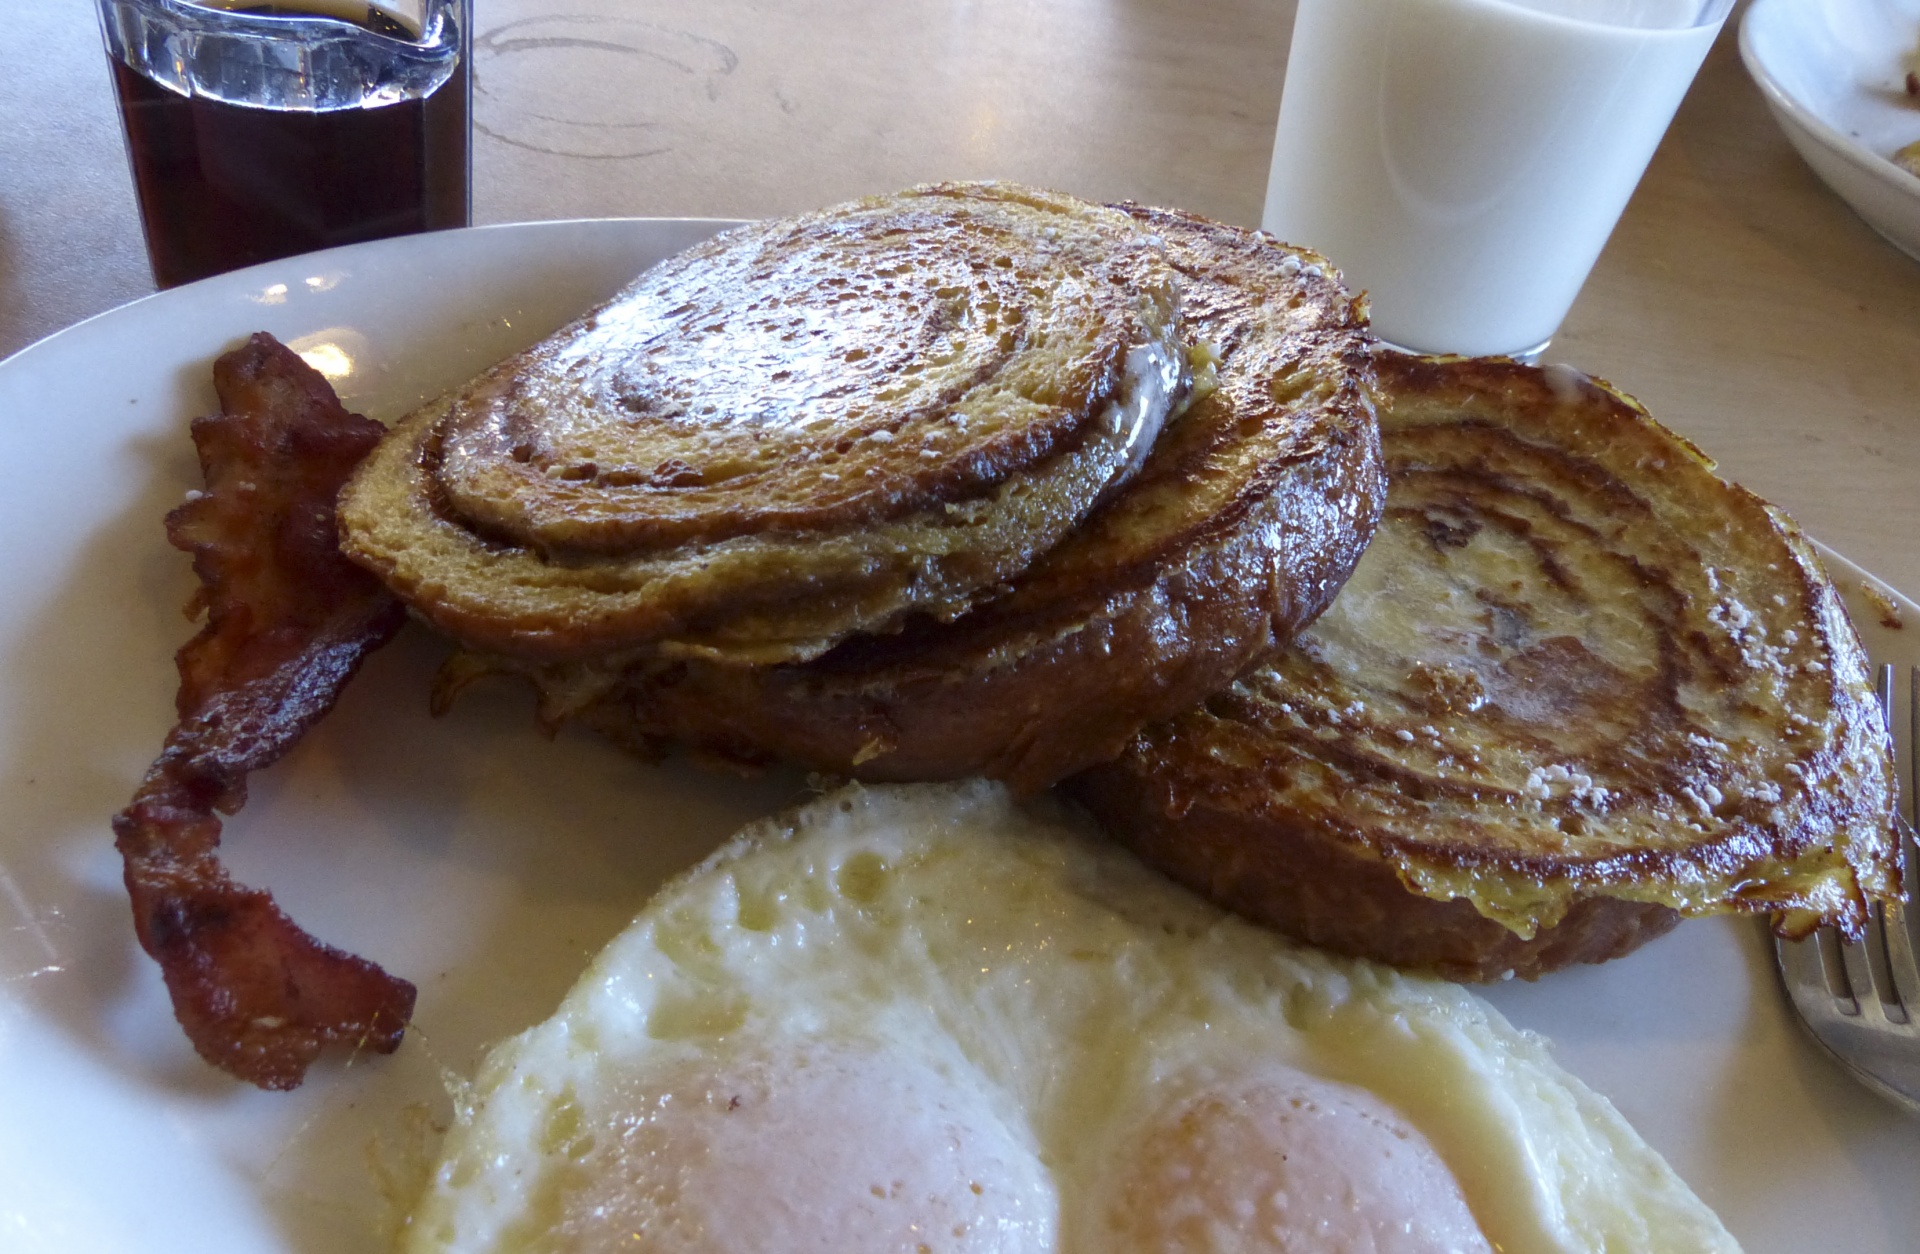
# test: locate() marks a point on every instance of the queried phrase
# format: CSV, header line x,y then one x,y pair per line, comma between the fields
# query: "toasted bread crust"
x,y
1243,523
795,431
1332,894
1575,667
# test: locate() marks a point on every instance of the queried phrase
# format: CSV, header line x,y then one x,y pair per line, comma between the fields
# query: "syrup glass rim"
x,y
436,32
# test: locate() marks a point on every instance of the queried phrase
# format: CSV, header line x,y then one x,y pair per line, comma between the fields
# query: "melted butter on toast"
x,y
1242,522
797,430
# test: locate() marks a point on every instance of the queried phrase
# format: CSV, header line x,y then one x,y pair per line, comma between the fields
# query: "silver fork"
x,y
1862,1001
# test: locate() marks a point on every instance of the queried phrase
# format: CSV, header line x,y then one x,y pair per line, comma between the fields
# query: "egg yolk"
x,y
835,1150
1284,1161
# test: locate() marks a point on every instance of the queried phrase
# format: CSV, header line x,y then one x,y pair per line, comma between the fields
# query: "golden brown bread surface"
x,y
794,431
1245,520
1577,688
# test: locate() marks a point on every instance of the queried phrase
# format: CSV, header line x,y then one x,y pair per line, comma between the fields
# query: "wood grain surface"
x,y
1743,302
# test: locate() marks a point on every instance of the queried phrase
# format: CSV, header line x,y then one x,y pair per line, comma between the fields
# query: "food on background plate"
x,y
288,621
794,431
1239,528
1578,688
926,1017
1908,158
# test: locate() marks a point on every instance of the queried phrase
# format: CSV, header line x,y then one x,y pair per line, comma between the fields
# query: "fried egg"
x,y
932,1020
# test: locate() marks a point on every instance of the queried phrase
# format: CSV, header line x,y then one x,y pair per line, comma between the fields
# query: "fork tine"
x,y
1901,958
1858,964
1870,965
1862,1002
1901,961
1803,964
1908,768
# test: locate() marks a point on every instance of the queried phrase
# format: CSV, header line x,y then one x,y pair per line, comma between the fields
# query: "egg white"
x,y
930,1019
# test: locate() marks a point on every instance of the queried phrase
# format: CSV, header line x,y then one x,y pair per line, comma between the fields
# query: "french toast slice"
x,y
1246,518
794,431
1578,688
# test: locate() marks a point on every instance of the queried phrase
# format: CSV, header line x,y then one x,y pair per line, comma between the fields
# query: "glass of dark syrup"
x,y
258,131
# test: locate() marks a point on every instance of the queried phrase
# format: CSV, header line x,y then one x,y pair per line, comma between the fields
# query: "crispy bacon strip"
x,y
289,620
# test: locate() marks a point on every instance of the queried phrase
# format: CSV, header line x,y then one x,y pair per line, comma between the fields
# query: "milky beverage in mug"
x,y
1465,160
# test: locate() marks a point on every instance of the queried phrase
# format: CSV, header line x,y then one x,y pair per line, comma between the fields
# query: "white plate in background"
x,y
1833,73
486,863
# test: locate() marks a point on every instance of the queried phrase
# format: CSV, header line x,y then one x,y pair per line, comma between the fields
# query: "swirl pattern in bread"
x,y
795,431
1579,687
1244,521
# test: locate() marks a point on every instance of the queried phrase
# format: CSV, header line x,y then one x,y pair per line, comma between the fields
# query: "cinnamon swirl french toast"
x,y
1578,688
1242,523
796,431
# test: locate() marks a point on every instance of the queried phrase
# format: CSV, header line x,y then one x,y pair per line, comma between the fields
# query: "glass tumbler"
x,y
1464,161
258,131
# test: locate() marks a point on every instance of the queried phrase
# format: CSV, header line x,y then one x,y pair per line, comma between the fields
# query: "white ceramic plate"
x,y
1833,72
486,863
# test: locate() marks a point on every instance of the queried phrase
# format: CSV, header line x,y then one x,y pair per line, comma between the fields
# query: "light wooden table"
x,y
1740,300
